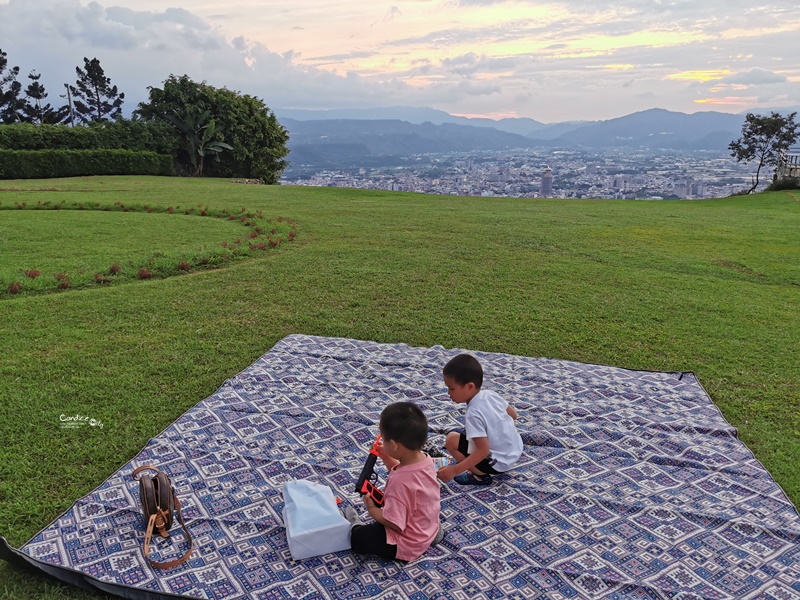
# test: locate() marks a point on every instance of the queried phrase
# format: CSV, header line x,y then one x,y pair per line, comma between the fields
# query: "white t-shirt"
x,y
487,417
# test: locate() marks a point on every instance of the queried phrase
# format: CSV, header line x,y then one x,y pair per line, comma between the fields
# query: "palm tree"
x,y
200,137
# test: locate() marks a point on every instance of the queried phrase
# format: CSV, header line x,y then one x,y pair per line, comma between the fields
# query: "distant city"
x,y
567,173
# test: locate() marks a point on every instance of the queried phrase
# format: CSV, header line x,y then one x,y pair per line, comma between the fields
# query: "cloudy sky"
x,y
550,61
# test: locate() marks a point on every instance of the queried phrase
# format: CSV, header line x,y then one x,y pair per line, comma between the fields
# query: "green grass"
x,y
707,286
55,245
72,240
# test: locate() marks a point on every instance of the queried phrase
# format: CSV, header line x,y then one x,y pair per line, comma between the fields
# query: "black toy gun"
x,y
368,478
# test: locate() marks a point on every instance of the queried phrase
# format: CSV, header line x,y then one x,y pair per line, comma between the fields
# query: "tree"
x,y
94,98
763,139
257,140
200,137
10,102
34,111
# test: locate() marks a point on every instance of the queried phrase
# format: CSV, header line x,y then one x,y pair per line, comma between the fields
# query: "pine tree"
x,y
10,102
94,98
34,111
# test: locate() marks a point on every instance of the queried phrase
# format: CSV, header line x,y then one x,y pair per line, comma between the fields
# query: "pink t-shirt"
x,y
412,503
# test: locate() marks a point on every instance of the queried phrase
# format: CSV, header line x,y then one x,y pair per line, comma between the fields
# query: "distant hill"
x,y
399,113
556,130
328,142
327,138
521,126
659,128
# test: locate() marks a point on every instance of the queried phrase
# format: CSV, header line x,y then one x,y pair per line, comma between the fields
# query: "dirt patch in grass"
x,y
729,264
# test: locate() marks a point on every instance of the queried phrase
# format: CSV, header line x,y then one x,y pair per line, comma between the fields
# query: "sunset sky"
x,y
550,61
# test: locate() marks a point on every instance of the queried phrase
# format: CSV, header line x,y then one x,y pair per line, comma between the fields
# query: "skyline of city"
x,y
613,174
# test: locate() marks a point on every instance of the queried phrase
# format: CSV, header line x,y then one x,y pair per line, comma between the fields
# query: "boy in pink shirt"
x,y
408,523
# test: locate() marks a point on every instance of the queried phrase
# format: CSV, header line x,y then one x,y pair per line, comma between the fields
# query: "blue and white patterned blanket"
x,y
631,485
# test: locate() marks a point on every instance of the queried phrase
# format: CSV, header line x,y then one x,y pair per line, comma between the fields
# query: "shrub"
x,y
122,134
785,183
258,140
43,164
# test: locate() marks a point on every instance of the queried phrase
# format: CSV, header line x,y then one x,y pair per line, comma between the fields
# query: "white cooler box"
x,y
314,525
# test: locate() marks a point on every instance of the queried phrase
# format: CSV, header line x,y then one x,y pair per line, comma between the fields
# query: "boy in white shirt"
x,y
490,443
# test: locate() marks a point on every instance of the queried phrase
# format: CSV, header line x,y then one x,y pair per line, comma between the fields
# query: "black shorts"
x,y
371,539
486,465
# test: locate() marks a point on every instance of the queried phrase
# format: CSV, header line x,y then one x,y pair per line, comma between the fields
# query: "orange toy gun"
x,y
368,478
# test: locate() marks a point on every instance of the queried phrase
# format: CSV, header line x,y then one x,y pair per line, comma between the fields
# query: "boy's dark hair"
x,y
464,369
405,423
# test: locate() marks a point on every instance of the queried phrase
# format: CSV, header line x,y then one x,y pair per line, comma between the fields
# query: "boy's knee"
x,y
451,441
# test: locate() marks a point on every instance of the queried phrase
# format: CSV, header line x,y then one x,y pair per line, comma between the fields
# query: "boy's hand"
x,y
387,460
377,514
447,473
374,510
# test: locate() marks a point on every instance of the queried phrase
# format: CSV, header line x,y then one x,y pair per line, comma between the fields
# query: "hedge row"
x,y
122,134
43,164
784,183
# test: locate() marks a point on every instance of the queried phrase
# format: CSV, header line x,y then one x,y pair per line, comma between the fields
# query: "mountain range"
x,y
331,137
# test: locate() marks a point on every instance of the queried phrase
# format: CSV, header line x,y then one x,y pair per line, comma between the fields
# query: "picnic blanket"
x,y
631,485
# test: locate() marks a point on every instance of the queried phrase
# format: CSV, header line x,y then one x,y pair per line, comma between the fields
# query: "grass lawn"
x,y
708,286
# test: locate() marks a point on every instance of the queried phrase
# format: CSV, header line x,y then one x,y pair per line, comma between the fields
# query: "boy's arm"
x,y
482,450
511,412
377,514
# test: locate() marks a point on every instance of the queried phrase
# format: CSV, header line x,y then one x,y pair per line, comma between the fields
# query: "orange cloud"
x,y
729,101
737,87
617,67
709,75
